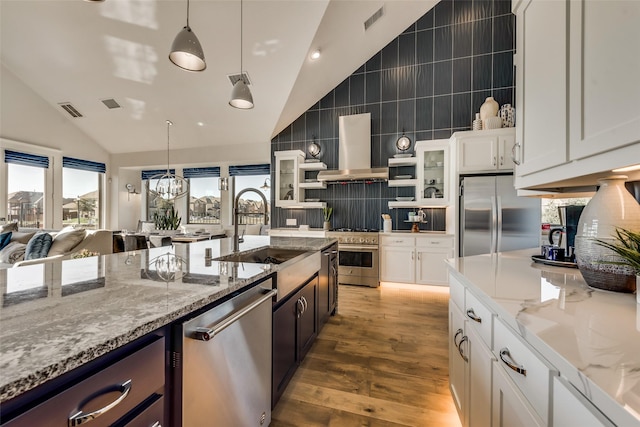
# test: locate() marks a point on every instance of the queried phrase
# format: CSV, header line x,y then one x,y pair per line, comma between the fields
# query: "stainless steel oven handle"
x,y
351,248
206,334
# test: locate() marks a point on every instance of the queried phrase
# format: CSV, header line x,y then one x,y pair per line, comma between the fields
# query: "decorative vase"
x,y
326,225
612,206
489,108
508,116
477,123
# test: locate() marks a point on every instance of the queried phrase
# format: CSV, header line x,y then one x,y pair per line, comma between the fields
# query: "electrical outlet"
x,y
292,221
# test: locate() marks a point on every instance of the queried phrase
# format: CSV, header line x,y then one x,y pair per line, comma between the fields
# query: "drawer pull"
x,y
464,338
157,424
507,360
81,418
472,315
455,337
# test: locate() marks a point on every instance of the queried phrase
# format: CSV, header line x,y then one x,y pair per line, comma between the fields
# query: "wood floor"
x,y
381,361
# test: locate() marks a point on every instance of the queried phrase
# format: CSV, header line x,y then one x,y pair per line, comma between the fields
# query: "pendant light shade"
x,y
186,51
241,96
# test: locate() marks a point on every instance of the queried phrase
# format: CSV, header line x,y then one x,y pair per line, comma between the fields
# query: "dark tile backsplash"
x,y
427,83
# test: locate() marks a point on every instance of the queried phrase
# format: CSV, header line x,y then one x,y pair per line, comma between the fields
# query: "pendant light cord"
x,y
241,75
168,125
188,14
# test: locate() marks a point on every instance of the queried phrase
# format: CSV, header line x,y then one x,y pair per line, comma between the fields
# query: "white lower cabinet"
x,y
420,259
509,407
572,408
470,362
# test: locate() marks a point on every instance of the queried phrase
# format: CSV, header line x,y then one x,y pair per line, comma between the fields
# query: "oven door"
x,y
358,265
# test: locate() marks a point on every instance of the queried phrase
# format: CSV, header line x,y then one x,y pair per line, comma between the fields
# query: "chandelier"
x,y
168,266
169,186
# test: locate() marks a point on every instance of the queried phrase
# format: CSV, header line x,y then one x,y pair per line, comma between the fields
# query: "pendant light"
x,y
186,51
241,94
169,186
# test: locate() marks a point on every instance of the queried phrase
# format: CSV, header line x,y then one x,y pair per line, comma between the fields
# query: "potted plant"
x,y
326,213
626,246
168,220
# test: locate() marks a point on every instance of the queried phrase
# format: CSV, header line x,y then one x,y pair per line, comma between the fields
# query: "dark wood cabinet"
x,y
328,284
295,327
128,391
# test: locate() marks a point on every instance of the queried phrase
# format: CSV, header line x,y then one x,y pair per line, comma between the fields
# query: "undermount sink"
x,y
263,256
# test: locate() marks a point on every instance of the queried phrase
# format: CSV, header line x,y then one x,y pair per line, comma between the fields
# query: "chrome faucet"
x,y
236,238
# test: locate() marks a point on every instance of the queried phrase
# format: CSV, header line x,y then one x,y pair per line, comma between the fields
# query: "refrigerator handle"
x,y
494,225
499,224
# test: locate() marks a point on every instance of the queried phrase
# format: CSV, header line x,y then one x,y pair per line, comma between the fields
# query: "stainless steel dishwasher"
x,y
225,362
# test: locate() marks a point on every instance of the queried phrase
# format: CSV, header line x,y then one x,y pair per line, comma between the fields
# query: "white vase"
x,y
488,109
612,206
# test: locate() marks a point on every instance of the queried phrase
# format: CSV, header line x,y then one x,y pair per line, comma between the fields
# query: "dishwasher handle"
x,y
207,333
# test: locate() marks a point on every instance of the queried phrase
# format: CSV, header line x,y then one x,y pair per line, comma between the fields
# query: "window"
x,y
204,195
155,204
25,188
250,205
81,192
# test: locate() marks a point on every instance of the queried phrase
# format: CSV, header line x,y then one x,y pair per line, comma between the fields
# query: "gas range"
x,y
357,256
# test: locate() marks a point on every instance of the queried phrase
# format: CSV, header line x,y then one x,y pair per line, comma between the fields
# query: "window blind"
x,y
245,170
211,172
85,165
25,159
151,173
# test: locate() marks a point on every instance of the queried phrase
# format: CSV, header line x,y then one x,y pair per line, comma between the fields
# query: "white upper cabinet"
x,y
434,183
288,177
604,76
486,150
577,90
541,84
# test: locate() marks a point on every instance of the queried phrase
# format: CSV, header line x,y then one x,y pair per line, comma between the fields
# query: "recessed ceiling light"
x,y
315,54
200,124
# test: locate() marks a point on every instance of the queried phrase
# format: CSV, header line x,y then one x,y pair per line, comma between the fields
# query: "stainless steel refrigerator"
x,y
493,218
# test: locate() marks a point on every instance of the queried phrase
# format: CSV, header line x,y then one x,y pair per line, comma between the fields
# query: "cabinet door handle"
x,y
412,255
334,252
472,315
305,305
501,160
455,337
505,356
493,162
513,153
156,424
464,338
81,417
299,308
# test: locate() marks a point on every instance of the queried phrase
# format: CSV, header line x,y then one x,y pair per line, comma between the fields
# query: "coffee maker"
x,y
569,217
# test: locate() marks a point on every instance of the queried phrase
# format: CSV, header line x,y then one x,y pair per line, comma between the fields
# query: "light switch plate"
x,y
292,221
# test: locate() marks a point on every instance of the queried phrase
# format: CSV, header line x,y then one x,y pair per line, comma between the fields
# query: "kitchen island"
x,y
58,316
585,341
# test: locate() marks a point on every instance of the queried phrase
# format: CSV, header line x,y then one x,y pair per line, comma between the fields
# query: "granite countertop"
x,y
59,315
591,337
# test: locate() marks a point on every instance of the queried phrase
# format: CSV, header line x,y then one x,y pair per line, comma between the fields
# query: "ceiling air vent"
x,y
235,77
111,103
369,22
69,108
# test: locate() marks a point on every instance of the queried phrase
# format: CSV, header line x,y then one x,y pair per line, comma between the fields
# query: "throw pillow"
x,y
5,239
67,239
22,237
38,246
10,226
12,253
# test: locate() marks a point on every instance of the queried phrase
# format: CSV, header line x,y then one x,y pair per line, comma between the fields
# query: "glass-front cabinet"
x,y
433,186
288,177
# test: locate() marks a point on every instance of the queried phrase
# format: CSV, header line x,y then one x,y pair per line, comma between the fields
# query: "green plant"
x,y
167,220
326,213
627,247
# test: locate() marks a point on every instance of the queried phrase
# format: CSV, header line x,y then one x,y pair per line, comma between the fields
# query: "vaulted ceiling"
x,y
83,52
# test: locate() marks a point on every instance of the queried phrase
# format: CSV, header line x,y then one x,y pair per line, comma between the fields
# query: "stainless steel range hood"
x,y
354,151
